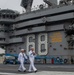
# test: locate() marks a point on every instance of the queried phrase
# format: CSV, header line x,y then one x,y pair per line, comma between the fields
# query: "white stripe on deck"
x,y
41,73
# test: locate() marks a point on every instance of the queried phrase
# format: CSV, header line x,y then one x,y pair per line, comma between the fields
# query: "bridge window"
x,y
0,15
7,16
10,16
3,16
14,16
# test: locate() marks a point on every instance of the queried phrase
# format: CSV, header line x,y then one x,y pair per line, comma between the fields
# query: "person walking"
x,y
32,55
21,58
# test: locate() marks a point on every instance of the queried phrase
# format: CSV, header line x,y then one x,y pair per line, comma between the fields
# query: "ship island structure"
x,y
50,30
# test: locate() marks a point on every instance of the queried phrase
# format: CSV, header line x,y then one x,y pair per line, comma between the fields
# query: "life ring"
x,y
65,60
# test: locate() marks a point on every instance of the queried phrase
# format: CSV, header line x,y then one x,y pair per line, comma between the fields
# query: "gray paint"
x,y
2,34
55,27
6,20
26,31
43,12
2,42
48,19
17,38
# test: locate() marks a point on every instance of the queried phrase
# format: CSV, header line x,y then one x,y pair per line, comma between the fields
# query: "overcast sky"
x,y
15,4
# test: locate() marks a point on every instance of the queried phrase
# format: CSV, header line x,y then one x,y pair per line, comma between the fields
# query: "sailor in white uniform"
x,y
21,58
32,55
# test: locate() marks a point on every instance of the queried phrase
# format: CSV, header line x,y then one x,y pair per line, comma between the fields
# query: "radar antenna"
x,y
51,2
66,2
27,4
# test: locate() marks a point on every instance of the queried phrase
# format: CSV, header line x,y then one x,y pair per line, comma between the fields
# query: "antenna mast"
x,y
27,4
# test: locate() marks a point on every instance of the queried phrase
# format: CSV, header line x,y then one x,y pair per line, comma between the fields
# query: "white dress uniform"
x,y
21,58
31,58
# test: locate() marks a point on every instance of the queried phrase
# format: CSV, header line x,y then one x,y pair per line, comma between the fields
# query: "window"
x,y
14,51
7,16
10,16
0,15
14,16
30,39
2,47
2,39
10,51
3,16
43,48
43,38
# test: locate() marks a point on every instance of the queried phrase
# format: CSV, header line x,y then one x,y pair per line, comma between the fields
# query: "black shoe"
x,y
24,70
19,71
35,71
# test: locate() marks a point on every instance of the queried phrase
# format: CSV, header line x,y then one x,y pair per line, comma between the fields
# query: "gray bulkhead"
x,y
42,29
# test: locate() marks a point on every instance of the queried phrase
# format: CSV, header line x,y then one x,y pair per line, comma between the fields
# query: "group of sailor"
x,y
21,58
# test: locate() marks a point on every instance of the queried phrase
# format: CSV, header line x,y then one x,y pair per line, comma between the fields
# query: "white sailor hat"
x,y
32,48
22,49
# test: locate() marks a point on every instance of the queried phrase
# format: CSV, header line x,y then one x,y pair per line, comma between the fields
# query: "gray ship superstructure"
x,y
49,30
